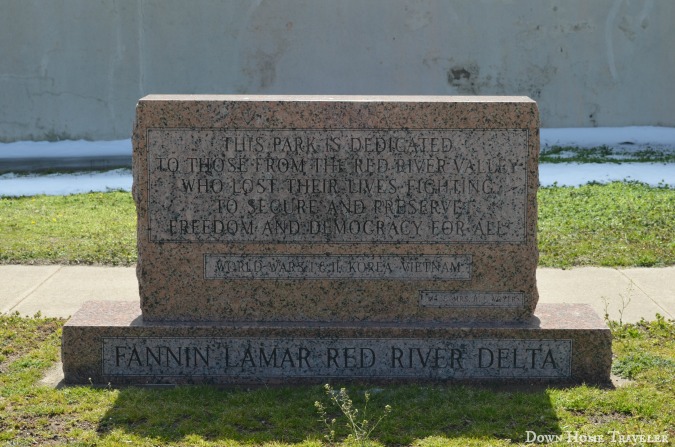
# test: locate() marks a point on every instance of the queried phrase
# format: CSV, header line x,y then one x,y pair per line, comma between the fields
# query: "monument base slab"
x,y
109,342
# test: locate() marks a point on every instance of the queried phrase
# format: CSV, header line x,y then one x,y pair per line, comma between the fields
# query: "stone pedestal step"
x,y
108,342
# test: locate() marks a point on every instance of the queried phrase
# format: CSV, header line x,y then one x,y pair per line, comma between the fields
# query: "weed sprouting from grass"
x,y
358,423
625,302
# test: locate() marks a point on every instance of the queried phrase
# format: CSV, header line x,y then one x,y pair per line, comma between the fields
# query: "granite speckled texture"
x,y
109,342
297,239
303,208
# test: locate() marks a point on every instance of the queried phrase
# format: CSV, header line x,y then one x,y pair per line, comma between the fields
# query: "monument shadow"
x,y
287,414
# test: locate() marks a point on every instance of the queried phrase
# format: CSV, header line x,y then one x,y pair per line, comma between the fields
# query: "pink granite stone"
x,y
297,239
108,342
315,208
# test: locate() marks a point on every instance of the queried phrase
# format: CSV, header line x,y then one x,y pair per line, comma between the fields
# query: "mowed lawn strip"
x,y
614,225
94,228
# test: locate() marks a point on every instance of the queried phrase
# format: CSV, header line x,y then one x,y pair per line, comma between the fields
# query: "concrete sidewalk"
x,y
59,291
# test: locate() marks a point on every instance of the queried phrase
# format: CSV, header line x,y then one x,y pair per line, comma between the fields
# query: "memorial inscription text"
x,y
337,186
264,358
417,267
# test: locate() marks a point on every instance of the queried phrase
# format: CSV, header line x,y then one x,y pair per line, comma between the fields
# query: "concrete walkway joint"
x,y
31,290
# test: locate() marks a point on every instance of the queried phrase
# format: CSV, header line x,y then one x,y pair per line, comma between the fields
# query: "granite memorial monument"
x,y
286,239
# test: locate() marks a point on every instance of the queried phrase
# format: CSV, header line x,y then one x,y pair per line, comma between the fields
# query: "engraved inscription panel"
x,y
337,186
304,357
442,298
416,267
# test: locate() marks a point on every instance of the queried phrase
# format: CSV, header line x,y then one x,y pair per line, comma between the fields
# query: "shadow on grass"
x,y
287,414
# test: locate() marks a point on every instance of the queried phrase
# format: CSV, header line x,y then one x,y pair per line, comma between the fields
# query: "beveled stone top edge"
x,y
547,316
338,98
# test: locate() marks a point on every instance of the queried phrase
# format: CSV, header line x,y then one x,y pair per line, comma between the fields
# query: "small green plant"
x,y
359,425
625,302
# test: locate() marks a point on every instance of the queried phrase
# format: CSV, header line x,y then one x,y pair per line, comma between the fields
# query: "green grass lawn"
x,y
95,228
619,224
422,415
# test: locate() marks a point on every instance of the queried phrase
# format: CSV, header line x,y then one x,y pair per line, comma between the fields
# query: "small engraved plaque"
x,y
413,267
441,298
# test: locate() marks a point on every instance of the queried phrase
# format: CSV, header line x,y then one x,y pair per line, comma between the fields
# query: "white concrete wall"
x,y
75,68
